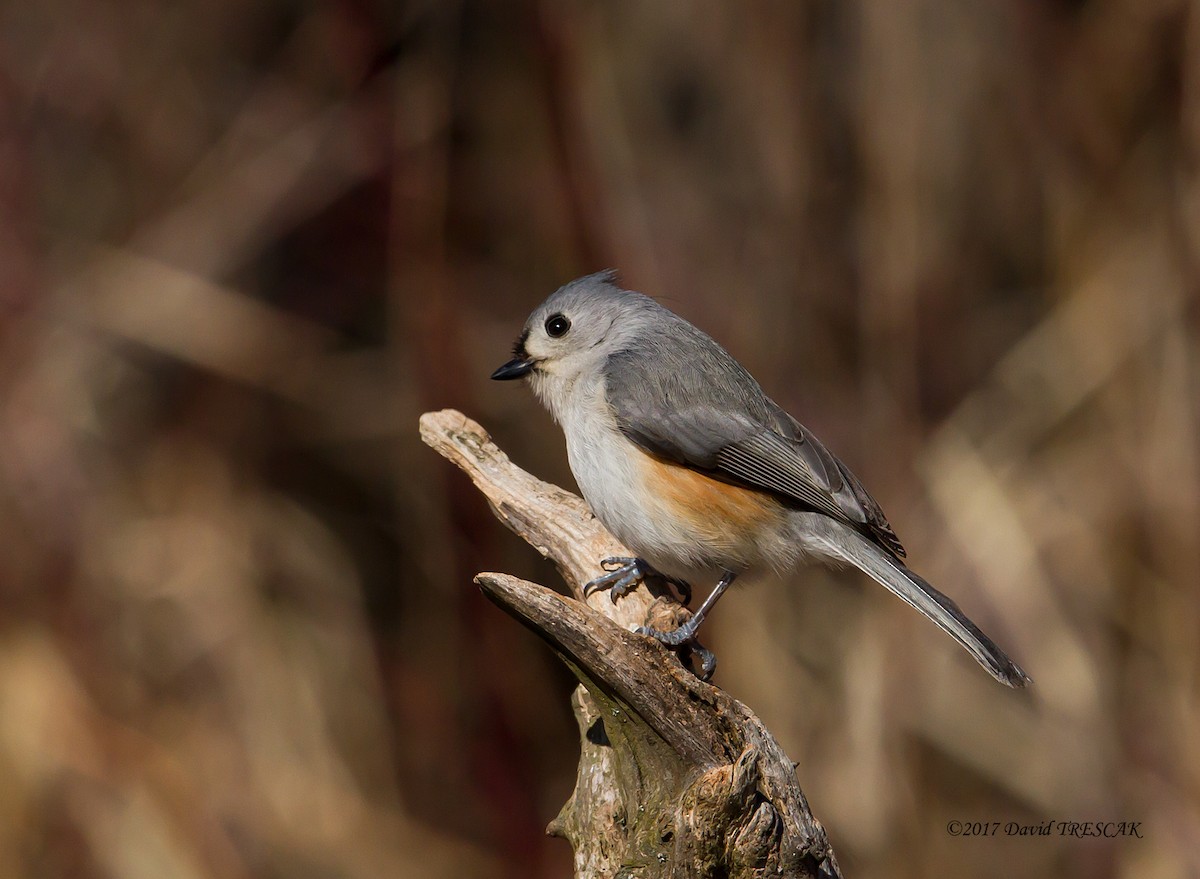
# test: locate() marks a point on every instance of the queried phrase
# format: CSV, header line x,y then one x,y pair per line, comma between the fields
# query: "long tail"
x,y
891,573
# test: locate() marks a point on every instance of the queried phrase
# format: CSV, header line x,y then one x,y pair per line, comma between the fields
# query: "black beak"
x,y
518,367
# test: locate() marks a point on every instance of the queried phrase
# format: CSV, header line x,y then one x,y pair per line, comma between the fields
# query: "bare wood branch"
x,y
676,778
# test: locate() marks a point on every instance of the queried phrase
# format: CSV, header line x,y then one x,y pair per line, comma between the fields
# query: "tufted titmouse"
x,y
683,457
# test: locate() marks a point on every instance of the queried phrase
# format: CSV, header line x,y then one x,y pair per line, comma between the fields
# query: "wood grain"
x,y
676,778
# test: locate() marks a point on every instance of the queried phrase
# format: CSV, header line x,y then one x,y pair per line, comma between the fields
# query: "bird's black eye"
x,y
557,325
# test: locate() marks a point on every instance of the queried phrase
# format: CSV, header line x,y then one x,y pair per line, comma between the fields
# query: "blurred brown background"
x,y
244,245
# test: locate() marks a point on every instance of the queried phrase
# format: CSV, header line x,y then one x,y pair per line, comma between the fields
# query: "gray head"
x,y
573,333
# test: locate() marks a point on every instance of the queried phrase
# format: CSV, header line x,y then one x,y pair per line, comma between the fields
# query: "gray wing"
x,y
681,397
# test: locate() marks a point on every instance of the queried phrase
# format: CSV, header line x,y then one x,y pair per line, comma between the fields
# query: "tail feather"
x,y
891,573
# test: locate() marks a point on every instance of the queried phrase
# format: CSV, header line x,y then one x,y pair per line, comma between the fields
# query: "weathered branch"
x,y
676,778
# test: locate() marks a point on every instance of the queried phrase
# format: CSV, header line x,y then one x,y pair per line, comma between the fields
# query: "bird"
x,y
685,459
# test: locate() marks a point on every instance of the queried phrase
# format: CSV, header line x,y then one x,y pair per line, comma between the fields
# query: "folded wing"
x,y
698,407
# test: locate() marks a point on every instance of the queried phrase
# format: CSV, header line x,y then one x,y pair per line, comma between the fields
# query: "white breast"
x,y
610,471
604,464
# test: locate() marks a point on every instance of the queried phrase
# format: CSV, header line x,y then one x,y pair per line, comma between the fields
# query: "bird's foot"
x,y
685,636
623,573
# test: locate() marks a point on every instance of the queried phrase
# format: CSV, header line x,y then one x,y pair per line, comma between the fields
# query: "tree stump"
x,y
676,778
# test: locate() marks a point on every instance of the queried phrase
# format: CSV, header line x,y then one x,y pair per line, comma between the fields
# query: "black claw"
x,y
683,588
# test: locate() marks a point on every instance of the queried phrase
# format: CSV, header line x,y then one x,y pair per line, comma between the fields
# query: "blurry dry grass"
x,y
242,246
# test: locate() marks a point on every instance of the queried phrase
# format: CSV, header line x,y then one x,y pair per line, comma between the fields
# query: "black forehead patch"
x,y
518,349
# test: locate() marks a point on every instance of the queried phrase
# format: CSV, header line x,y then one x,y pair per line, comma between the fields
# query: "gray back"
x,y
680,396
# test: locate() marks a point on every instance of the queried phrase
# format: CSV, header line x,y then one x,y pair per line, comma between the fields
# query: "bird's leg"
x,y
686,633
623,573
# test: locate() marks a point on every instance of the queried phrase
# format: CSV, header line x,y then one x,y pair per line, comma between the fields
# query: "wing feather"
x,y
699,407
